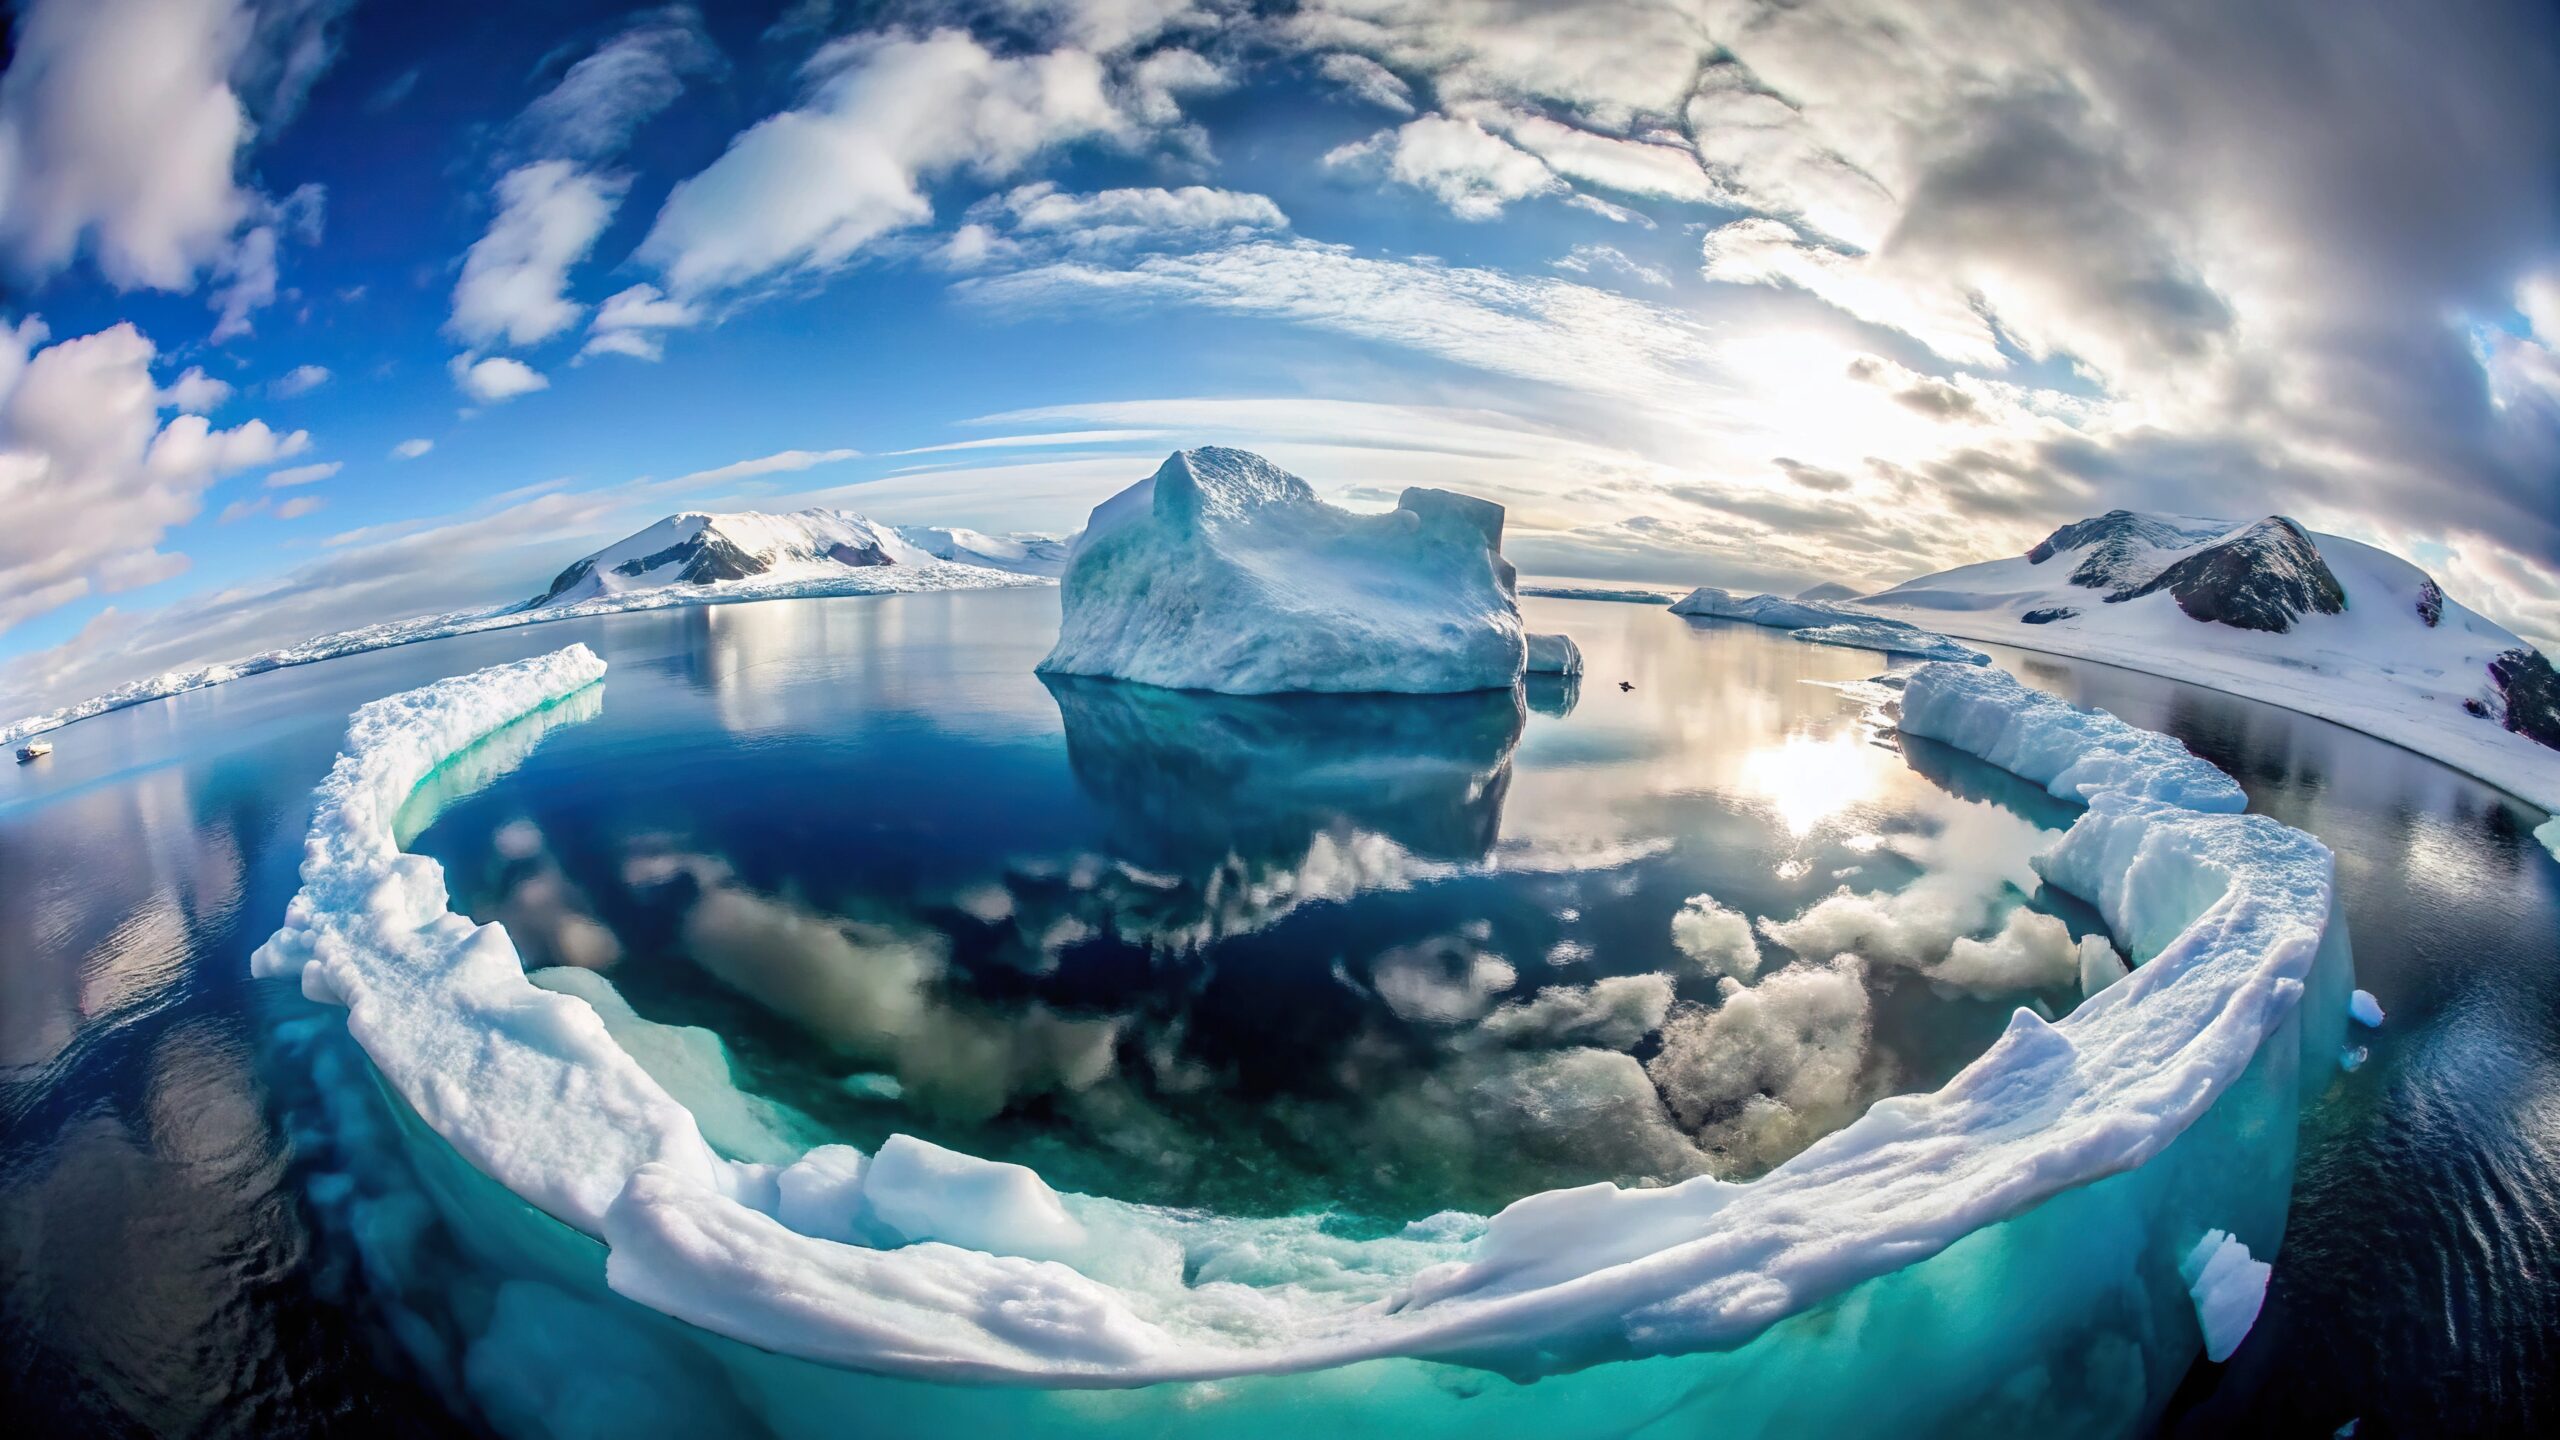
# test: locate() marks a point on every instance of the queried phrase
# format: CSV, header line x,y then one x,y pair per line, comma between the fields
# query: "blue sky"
x,y
1711,292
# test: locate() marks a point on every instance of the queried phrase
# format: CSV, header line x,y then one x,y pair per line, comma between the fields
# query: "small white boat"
x,y
34,750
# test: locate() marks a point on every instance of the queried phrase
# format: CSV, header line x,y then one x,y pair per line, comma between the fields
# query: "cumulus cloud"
x,y
300,380
886,115
493,379
93,476
1458,162
196,391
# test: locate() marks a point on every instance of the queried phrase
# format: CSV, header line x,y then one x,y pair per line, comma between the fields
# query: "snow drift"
x,y
2267,609
1224,572
918,1262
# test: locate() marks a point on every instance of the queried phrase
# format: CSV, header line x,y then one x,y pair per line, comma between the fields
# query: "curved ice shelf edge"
x,y
2227,911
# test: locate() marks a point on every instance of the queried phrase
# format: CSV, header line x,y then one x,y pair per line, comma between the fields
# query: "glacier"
x,y
2030,1218
929,575
1822,623
1224,572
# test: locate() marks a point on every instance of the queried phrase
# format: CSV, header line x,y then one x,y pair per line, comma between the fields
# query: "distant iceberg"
x,y
903,579
1822,623
1598,592
1224,572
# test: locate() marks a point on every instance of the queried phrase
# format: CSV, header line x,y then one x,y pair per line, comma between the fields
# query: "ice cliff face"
x,y
1224,572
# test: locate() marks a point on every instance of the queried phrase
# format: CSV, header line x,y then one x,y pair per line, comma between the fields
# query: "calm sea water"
x,y
1238,953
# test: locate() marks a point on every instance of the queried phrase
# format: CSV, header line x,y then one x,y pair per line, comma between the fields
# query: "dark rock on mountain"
x,y
2047,615
707,557
859,556
578,570
2431,603
2264,578
2116,542
2532,693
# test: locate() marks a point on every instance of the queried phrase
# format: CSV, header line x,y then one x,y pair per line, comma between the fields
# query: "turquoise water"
x,y
1234,954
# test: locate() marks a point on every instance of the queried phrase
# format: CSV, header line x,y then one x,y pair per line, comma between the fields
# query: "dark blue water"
x,y
1192,951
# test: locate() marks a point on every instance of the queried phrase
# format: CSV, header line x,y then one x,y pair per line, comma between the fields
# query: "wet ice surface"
x,y
1379,957
162,1265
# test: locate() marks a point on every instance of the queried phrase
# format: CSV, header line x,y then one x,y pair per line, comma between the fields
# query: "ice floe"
x,y
1554,655
1822,623
1224,572
996,1278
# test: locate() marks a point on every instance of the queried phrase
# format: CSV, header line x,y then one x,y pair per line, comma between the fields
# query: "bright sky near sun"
x,y
320,312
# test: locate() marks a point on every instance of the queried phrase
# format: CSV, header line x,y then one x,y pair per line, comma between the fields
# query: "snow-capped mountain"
x,y
1021,554
701,548
2268,609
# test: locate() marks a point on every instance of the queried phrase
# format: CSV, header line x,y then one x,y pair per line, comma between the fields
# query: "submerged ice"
x,y
1224,572
917,1261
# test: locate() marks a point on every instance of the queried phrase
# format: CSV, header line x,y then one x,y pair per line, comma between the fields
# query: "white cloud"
x,y
1933,312
778,462
247,267
1367,80
514,279
1662,167
118,124
1466,167
602,99
304,474
1587,259
196,391
299,506
809,188
300,380
494,379
630,322
92,477
411,449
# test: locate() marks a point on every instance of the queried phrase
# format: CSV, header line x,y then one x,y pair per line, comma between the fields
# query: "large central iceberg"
x,y
1224,572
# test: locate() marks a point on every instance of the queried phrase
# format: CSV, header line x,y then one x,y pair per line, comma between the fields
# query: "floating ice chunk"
x,y
820,1193
2366,1009
2100,965
1554,655
2549,835
914,1190
1717,937
1825,624
1893,638
2228,1287
2351,1058
1224,572
2075,754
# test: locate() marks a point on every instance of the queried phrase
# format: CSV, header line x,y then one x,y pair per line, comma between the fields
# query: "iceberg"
x,y
1554,655
2366,1010
1821,623
1598,592
2549,835
2075,754
1224,572
1883,1266
2229,1288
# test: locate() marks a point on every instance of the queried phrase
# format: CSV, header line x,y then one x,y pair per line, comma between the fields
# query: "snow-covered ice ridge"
x,y
1598,592
917,1261
2272,611
929,575
1820,622
1224,572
